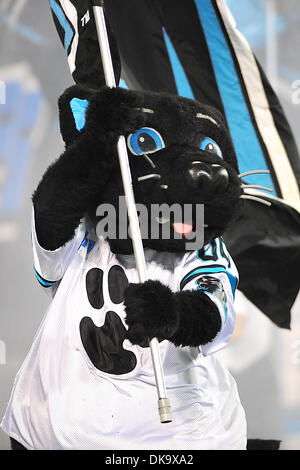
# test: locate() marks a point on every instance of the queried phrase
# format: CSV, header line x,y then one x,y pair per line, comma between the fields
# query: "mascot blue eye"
x,y
209,145
145,140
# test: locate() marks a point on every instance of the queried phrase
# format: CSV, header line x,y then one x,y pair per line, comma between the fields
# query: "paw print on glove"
x,y
104,344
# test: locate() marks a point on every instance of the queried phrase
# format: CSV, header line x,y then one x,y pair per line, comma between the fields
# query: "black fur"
x,y
15,445
152,310
185,318
199,319
70,184
87,174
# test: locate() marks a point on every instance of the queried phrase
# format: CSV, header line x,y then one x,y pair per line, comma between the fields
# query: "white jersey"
x,y
84,386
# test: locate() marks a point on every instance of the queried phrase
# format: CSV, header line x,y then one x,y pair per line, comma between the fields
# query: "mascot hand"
x,y
151,311
113,112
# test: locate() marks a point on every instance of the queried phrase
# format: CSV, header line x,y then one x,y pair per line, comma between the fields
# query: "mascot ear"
x,y
72,105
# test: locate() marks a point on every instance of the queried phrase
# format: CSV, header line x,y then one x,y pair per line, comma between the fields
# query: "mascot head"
x,y
181,158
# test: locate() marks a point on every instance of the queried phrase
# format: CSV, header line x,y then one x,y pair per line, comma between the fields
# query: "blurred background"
x,y
264,359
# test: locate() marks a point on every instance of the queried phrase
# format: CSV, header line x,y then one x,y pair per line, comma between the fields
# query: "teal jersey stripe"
x,y
204,270
42,281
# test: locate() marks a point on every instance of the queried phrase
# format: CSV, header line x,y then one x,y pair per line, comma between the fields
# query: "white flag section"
x,y
66,15
75,24
263,116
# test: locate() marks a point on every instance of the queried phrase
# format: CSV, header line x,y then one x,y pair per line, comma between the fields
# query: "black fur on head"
x,y
185,156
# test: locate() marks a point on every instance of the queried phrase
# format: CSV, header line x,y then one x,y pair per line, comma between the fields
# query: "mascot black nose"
x,y
207,179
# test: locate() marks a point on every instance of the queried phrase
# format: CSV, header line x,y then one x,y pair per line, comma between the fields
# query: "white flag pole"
x,y
163,401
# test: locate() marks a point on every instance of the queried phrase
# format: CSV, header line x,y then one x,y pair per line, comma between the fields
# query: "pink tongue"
x,y
183,229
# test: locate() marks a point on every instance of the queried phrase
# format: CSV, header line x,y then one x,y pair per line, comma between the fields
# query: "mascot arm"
x,y
187,318
200,313
199,319
207,314
65,193
71,183
51,265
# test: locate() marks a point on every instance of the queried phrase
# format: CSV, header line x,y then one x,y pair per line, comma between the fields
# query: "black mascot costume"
x,y
88,381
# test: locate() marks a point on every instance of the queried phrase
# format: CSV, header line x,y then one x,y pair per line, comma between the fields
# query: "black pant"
x,y
253,444
15,445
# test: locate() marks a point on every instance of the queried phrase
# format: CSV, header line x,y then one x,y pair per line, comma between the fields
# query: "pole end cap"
x,y
164,409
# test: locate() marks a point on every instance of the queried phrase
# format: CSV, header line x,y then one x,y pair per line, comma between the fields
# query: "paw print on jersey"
x,y
104,344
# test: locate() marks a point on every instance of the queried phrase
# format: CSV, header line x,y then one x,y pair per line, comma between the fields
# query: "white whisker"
x,y
147,177
256,186
205,116
145,110
253,172
257,199
149,160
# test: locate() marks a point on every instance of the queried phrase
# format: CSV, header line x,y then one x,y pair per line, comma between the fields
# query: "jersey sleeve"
x,y
50,266
211,270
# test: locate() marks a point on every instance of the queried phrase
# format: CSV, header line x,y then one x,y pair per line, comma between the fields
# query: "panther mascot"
x,y
88,381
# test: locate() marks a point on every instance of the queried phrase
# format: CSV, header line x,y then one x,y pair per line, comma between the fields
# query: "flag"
x,y
75,24
194,49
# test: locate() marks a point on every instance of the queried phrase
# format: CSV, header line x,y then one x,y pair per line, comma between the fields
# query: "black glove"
x,y
188,318
151,311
